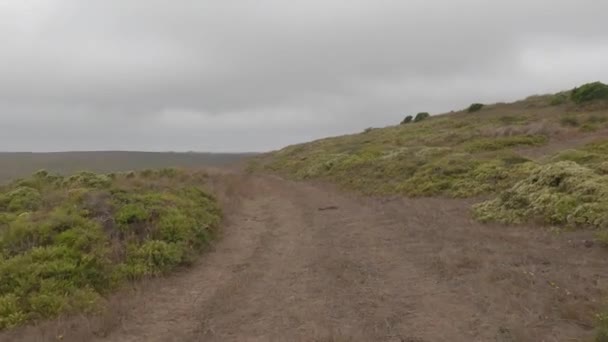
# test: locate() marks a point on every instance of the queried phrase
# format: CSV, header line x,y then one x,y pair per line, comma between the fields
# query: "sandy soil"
x,y
303,262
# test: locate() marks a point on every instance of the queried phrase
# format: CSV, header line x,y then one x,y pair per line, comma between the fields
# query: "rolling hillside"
x,y
544,158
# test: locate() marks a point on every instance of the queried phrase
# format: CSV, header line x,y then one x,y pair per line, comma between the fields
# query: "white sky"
x,y
256,75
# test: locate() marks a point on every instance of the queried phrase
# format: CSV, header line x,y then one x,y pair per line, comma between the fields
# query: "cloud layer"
x,y
255,75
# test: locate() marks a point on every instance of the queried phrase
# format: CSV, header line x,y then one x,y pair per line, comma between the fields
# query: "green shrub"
x,y
475,107
407,120
66,242
421,116
175,226
10,312
438,176
22,199
589,92
558,193
131,213
24,232
152,258
463,175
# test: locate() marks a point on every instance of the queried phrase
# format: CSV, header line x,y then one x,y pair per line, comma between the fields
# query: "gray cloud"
x,y
259,74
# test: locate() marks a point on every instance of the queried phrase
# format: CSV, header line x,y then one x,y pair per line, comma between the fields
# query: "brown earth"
x,y
304,262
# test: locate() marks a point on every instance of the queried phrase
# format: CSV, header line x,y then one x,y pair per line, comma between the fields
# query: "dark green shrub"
x,y
589,92
175,226
23,199
153,257
421,116
407,120
131,213
563,192
475,107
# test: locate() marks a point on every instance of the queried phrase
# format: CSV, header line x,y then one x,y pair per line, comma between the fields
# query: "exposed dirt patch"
x,y
374,270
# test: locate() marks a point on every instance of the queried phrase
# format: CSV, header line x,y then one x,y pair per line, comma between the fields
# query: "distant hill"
x,y
20,164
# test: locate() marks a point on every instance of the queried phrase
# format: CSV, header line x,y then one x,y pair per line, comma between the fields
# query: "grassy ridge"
x,y
66,241
439,156
478,152
458,155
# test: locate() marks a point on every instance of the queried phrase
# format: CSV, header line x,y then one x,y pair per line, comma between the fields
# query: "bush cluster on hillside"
x,y
475,107
407,119
421,116
65,241
373,165
563,192
589,92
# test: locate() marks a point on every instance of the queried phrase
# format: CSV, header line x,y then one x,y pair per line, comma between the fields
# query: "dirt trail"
x,y
369,270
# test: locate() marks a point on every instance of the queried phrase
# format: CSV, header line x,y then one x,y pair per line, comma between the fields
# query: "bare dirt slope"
x,y
301,262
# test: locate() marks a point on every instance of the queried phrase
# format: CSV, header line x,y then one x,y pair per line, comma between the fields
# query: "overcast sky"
x,y
256,75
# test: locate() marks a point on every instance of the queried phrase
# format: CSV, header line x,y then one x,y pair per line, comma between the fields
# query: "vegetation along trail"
x,y
305,262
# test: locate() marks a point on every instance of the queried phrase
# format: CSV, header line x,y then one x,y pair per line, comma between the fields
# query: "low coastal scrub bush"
x,y
590,92
475,107
563,192
67,241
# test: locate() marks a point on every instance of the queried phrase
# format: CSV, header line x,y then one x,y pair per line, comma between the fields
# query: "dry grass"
x,y
543,127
